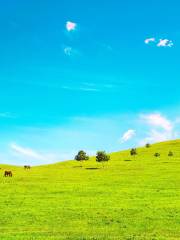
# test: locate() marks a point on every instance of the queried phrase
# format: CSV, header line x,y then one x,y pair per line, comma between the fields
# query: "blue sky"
x,y
86,75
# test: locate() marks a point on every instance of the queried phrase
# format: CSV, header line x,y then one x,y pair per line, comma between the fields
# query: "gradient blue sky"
x,y
99,86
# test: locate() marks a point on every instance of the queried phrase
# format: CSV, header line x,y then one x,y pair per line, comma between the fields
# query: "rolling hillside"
x,y
131,198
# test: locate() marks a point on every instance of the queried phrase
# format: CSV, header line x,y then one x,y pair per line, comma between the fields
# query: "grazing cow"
x,y
7,174
27,167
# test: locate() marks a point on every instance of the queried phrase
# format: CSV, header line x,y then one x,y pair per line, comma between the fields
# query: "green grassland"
x,y
134,197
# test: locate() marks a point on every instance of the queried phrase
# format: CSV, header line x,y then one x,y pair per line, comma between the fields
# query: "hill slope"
x,y
131,198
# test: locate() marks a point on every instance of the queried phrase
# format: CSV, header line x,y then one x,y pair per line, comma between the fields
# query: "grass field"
x,y
131,198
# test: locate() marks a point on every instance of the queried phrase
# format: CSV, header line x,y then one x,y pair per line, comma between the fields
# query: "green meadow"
x,y
132,197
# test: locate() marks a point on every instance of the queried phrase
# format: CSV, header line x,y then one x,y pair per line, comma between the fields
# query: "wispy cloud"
x,y
157,120
71,26
107,47
89,89
101,86
161,128
155,135
80,88
128,135
165,43
70,51
6,115
27,152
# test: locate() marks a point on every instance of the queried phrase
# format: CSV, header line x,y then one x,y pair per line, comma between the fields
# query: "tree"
x,y
133,152
157,154
148,145
102,157
170,154
81,156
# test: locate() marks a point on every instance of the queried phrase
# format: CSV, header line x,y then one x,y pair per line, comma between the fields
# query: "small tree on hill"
x,y
102,157
148,145
81,156
157,154
170,154
133,152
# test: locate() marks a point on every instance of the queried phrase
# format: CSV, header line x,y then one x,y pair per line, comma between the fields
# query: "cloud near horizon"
x,y
28,152
157,120
161,128
53,144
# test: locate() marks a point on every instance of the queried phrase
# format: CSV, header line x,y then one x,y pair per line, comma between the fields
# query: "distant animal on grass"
x,y
7,174
27,167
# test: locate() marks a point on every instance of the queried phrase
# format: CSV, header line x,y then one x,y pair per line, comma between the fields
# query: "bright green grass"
x,y
137,199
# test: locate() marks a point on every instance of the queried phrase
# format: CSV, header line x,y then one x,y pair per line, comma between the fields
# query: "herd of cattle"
x,y
10,174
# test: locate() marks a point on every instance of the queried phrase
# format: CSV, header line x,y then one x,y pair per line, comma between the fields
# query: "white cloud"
x,y
157,136
149,40
157,120
161,42
128,135
165,43
71,26
28,152
161,128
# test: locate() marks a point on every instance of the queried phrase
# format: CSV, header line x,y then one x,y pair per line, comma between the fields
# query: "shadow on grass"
x,y
77,167
127,160
92,168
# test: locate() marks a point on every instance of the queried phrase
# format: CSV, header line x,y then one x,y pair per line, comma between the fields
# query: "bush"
x,y
81,156
148,145
157,154
133,152
170,154
102,157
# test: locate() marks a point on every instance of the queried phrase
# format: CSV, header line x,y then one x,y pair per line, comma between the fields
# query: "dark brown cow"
x,y
27,167
7,174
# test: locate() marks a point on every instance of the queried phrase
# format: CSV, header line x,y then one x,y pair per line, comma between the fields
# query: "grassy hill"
x,y
131,198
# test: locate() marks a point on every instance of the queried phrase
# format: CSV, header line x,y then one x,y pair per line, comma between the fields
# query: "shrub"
x,y
81,156
170,154
102,157
157,154
133,152
148,145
